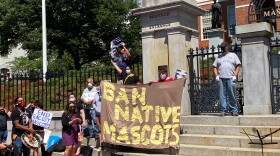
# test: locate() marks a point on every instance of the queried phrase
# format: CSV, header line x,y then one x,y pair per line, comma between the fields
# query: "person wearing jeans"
x,y
89,96
229,86
226,68
19,147
22,123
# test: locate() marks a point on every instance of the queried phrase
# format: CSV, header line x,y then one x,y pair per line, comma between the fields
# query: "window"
x,y
231,20
206,23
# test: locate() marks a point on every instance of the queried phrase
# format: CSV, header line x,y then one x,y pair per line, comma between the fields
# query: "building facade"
x,y
5,68
234,13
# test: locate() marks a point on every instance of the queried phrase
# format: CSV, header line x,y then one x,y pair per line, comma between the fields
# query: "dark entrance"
x,y
203,86
274,60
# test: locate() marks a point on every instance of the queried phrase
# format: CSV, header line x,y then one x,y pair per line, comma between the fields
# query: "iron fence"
x,y
274,61
203,86
58,85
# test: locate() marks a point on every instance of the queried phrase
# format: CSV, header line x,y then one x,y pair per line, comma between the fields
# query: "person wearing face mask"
x,y
72,98
3,126
129,78
90,94
22,123
163,76
70,121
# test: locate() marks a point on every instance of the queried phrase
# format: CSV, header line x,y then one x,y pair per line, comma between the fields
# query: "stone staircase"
x,y
218,136
215,136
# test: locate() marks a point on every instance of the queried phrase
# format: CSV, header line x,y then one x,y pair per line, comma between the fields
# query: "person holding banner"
x,y
90,94
163,77
39,130
128,77
70,121
22,123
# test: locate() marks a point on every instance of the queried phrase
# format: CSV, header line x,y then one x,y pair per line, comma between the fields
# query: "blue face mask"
x,y
127,71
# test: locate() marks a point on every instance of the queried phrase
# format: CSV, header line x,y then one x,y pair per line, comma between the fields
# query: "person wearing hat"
x,y
226,68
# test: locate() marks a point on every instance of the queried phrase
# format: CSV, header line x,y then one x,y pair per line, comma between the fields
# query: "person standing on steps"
x,y
226,68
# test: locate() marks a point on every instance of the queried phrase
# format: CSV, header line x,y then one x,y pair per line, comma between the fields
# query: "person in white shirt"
x,y
89,96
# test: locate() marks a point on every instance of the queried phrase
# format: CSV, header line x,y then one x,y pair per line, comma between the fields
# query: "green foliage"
x,y
23,64
275,50
205,63
60,64
82,29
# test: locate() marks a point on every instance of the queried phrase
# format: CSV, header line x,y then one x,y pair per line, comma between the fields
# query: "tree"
x,y
81,28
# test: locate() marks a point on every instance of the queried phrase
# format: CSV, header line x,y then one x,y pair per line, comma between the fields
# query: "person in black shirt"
x,y
38,129
128,77
3,127
70,120
125,61
21,123
72,98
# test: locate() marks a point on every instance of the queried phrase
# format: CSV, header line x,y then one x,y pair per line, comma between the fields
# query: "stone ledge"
x,y
254,30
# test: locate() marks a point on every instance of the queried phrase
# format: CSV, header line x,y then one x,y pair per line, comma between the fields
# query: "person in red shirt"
x,y
163,76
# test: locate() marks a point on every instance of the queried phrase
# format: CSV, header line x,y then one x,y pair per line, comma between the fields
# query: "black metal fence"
x,y
58,85
274,60
203,86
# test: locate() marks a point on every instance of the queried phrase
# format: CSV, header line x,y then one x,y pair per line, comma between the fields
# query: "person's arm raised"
x,y
126,50
116,67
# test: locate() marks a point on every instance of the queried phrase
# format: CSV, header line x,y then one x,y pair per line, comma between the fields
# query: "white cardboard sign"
x,y
41,118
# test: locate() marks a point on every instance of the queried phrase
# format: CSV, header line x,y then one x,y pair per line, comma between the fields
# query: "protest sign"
x,y
142,116
41,118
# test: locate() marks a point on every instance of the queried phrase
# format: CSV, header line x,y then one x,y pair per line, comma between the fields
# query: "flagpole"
x,y
44,39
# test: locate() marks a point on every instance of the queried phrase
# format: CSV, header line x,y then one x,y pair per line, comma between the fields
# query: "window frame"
x,y
202,24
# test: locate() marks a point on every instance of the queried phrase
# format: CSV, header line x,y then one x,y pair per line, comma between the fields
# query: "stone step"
x,y
228,129
141,154
245,120
227,141
96,152
200,150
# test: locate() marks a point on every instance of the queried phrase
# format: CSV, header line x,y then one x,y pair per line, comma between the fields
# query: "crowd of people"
x,y
74,120
81,118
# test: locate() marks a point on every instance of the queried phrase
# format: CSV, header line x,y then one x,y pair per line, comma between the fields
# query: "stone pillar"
x,y
256,79
169,30
215,36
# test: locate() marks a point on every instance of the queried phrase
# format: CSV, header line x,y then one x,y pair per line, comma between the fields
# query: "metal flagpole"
x,y
44,37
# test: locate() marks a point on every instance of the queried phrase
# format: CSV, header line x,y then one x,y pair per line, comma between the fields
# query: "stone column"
x,y
256,79
169,30
148,45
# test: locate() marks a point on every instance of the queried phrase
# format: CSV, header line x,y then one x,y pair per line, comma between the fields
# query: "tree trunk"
x,y
77,63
